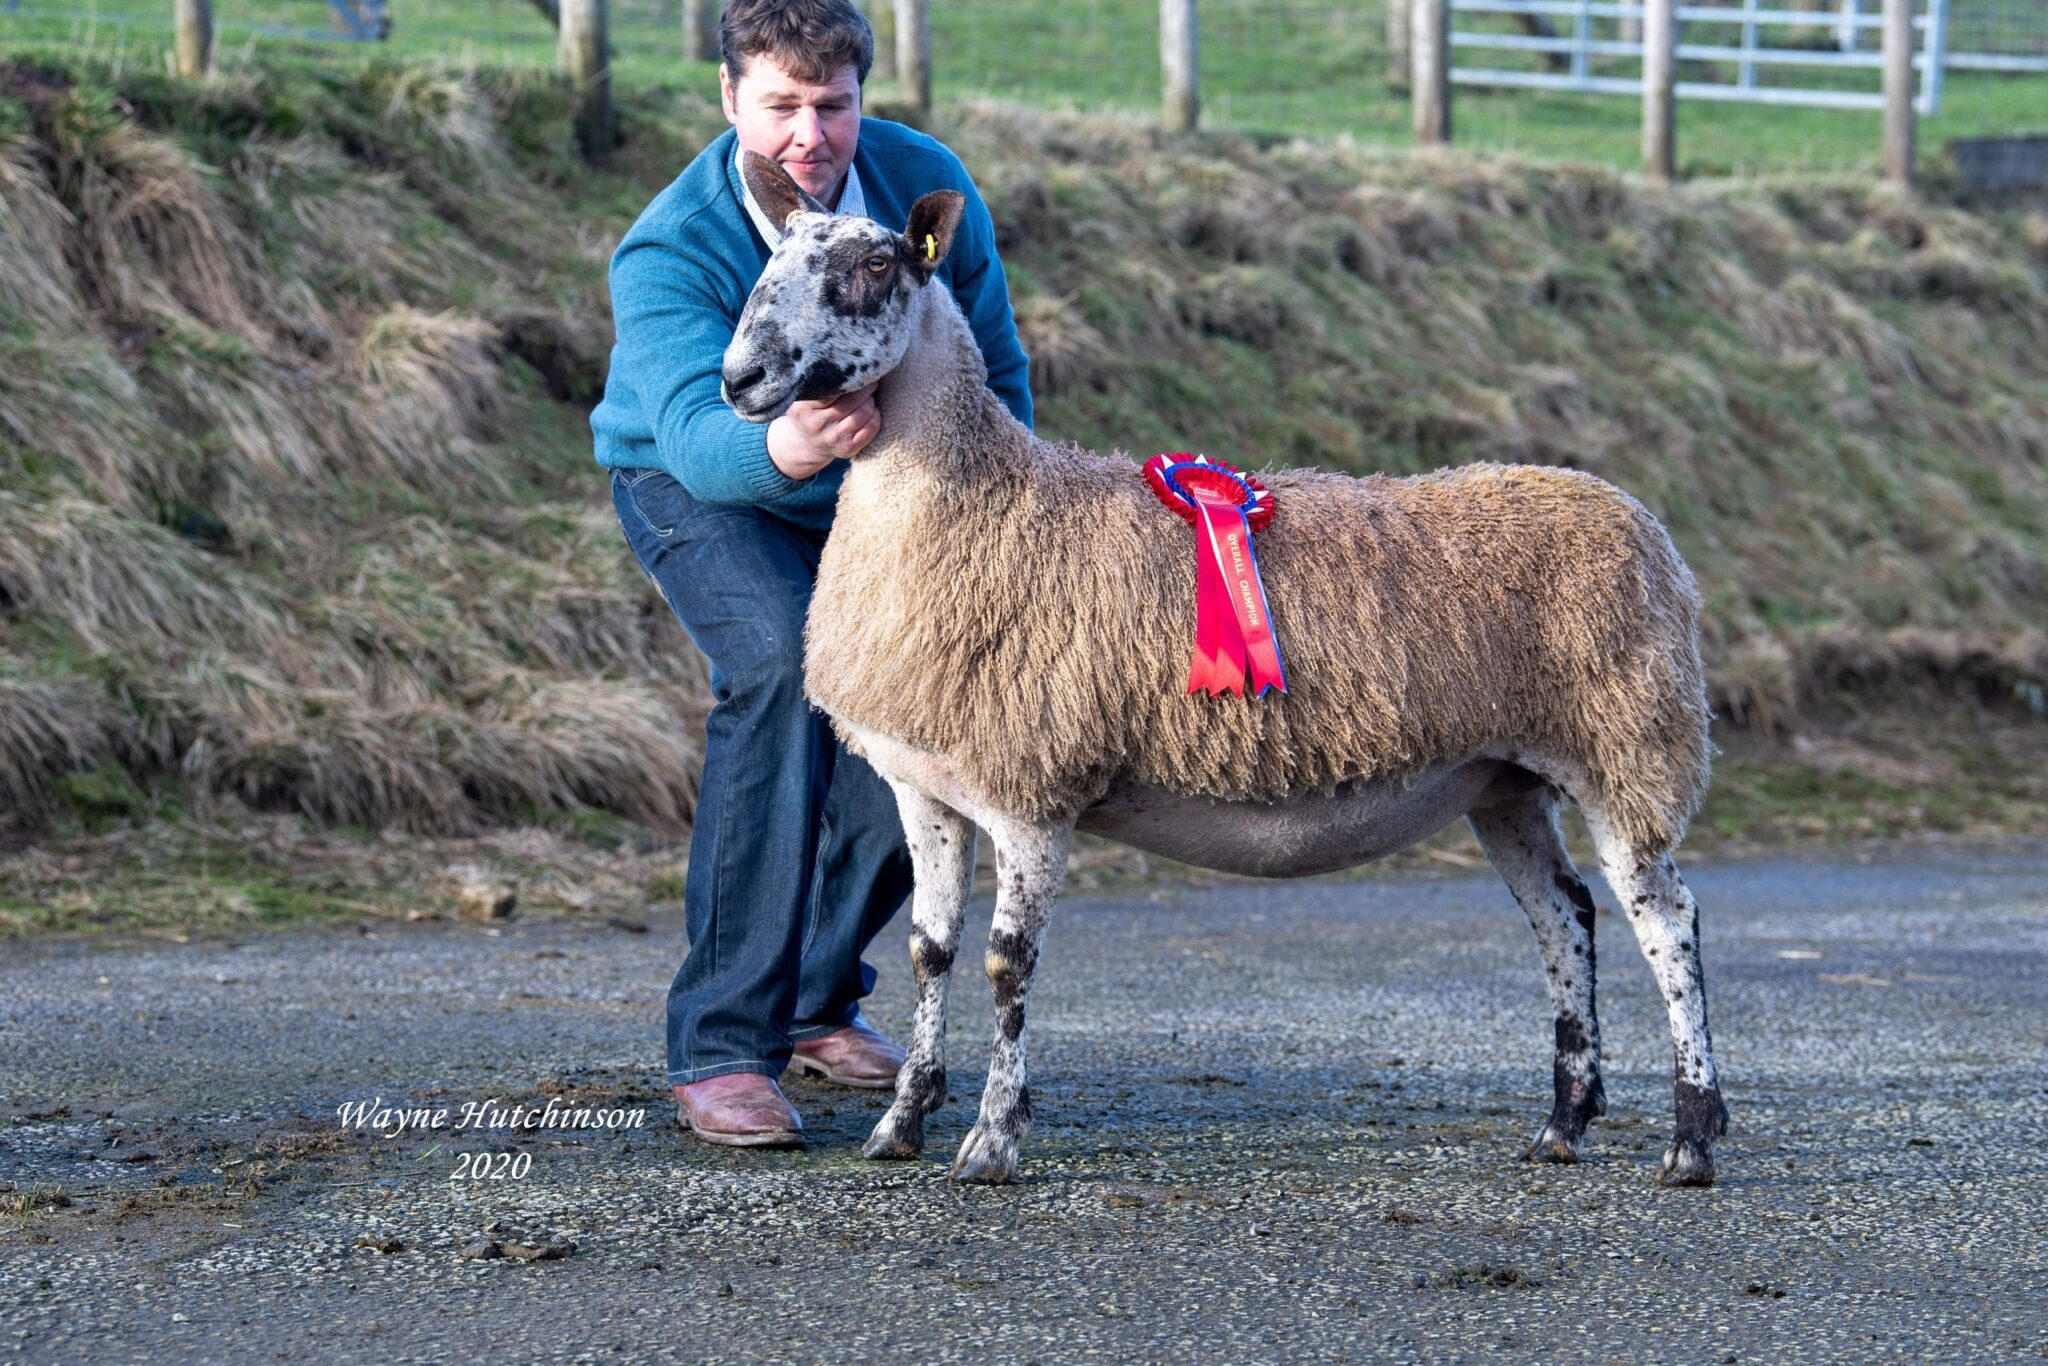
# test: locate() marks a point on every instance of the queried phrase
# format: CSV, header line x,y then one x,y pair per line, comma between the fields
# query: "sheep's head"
x,y
833,308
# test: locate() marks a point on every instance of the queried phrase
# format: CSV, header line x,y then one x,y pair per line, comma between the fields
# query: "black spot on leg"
x,y
1701,1113
1013,1122
922,1089
1576,1100
1571,1035
1582,900
1012,958
1575,890
927,959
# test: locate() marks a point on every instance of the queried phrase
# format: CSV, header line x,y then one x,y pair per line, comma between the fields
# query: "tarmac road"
x,y
1273,1120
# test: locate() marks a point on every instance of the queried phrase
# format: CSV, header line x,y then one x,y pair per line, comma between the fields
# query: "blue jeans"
x,y
797,857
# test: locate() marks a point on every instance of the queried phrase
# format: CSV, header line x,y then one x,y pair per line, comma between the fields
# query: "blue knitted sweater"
x,y
680,279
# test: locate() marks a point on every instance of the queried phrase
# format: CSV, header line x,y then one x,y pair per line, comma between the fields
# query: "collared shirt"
x,y
851,201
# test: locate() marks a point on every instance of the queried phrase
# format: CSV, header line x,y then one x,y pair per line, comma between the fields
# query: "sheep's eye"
x,y
877,264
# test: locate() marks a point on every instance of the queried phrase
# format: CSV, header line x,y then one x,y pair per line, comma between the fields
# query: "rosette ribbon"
x,y
1233,625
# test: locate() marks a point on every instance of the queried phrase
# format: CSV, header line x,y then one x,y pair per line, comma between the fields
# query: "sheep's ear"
x,y
933,220
780,197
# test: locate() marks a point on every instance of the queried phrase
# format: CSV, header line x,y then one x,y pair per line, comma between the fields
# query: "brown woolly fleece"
x,y
1026,611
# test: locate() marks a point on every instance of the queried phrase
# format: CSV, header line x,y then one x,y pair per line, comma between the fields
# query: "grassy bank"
x,y
297,515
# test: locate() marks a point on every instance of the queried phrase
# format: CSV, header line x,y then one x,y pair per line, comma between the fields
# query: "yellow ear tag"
x,y
931,247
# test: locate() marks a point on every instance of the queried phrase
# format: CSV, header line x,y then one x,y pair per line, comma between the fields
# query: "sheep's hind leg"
x,y
941,844
1667,925
1031,862
1521,837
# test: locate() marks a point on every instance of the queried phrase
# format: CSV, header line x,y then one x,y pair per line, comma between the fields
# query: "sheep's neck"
x,y
938,416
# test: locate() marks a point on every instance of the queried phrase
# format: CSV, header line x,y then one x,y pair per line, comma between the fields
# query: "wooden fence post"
x,y
1429,35
585,57
1180,65
1400,59
1660,90
700,30
914,52
1898,91
882,19
194,41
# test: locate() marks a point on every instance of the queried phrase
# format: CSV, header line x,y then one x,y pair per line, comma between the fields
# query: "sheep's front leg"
x,y
941,844
1031,862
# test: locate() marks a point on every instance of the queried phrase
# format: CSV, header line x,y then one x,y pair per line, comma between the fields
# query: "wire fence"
x,y
647,35
2009,35
1281,66
1322,67
1068,46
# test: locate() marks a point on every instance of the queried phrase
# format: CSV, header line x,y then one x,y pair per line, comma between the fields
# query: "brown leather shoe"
x,y
853,1056
741,1109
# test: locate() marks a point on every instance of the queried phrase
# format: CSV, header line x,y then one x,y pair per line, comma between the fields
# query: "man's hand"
x,y
811,436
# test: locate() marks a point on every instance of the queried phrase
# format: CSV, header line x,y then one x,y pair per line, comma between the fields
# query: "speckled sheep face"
x,y
832,310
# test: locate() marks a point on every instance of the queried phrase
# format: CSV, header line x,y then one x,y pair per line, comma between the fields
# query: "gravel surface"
x,y
1273,1120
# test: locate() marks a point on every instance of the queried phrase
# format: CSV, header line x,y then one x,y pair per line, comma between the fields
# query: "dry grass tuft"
x,y
69,399
1806,314
35,229
119,585
1066,352
47,727
432,384
1251,304
156,237
1917,662
1754,684
449,107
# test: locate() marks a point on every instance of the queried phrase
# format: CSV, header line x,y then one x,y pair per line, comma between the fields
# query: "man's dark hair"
x,y
812,38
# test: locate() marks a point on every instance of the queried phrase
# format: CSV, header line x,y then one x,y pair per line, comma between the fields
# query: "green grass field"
x,y
1270,68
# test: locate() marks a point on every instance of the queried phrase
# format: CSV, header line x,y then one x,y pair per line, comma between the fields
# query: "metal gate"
x,y
1572,44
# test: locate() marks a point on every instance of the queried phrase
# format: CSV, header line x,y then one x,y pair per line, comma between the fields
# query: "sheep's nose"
x,y
739,379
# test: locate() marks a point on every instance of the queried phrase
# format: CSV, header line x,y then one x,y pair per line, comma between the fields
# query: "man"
x,y
797,859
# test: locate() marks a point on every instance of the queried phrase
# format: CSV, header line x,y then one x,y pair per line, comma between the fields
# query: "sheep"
x,y
1000,627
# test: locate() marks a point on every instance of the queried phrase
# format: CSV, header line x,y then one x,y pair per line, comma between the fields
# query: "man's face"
x,y
810,129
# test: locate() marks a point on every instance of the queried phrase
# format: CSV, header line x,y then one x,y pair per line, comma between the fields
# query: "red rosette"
x,y
1233,625
1199,473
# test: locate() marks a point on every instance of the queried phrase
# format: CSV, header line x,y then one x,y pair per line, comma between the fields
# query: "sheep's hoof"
x,y
1551,1146
898,1138
985,1160
1687,1162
